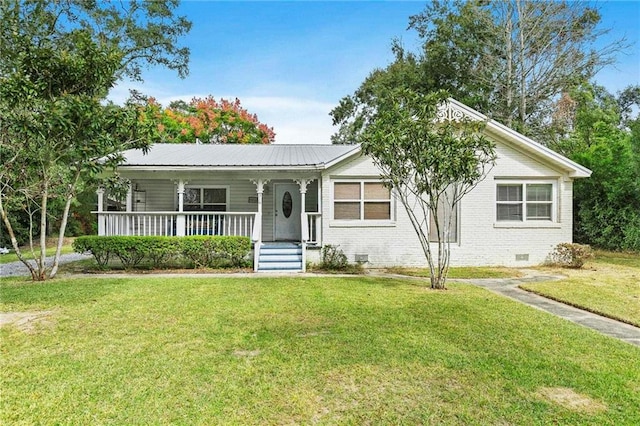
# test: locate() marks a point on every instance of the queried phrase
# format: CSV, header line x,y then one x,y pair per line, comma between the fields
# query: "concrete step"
x,y
280,266
280,251
280,257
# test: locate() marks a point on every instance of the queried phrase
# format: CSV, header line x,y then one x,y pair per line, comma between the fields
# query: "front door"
x,y
287,211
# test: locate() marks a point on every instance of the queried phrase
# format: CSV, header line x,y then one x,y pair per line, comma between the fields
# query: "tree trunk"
x,y
41,262
522,108
509,59
14,241
63,226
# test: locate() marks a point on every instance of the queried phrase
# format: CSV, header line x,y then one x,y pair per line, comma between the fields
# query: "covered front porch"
x,y
283,209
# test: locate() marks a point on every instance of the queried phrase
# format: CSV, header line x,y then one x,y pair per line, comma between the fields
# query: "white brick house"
x,y
292,199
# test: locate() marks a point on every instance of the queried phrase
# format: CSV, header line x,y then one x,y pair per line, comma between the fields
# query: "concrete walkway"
x,y
13,269
509,288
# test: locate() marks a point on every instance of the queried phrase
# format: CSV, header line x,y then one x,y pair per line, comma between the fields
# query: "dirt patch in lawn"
x,y
26,321
572,400
247,354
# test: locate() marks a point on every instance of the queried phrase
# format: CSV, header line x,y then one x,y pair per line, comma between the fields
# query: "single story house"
x,y
293,199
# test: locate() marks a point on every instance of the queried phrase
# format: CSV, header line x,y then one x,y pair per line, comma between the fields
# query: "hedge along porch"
x,y
267,193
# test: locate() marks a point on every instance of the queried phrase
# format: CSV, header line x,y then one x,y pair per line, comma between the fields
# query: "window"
x,y
207,199
361,200
443,209
524,202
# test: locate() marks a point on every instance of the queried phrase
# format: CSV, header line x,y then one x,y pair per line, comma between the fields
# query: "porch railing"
x,y
195,223
314,226
240,224
176,223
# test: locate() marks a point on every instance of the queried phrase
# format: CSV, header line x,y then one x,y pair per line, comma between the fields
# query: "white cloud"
x,y
295,120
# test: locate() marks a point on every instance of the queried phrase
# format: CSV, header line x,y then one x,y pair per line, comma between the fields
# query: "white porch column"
x,y
180,218
260,184
319,221
303,213
101,218
129,207
304,226
256,234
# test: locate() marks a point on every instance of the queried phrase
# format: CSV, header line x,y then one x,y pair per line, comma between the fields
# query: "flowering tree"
x,y
207,121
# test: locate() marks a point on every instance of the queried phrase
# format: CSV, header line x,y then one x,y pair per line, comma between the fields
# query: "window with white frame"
x,y
206,199
445,213
361,200
524,201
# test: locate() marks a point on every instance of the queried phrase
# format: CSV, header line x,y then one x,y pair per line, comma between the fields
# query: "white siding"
x,y
482,241
161,194
267,213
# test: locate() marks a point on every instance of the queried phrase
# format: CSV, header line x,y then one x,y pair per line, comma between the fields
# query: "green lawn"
x,y
617,258
462,272
609,285
326,350
12,257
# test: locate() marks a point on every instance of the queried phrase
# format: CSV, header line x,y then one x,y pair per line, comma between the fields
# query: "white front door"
x,y
287,211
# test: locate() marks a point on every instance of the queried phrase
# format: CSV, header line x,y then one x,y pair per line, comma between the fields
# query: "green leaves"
x,y
508,59
205,120
430,161
200,251
59,60
607,205
413,147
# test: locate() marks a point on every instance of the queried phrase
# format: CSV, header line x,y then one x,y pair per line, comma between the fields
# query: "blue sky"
x,y
291,62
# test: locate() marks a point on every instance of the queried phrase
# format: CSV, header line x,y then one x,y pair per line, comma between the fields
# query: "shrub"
x,y
233,250
200,251
130,250
162,250
631,240
99,247
333,258
570,255
197,250
216,251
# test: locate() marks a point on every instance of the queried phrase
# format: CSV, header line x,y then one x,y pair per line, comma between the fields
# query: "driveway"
x,y
13,269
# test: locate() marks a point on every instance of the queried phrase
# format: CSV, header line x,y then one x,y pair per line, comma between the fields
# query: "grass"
x,y
609,285
12,257
617,258
466,272
328,350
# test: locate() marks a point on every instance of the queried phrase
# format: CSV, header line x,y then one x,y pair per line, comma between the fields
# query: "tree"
x,y
430,162
207,121
59,59
509,59
603,138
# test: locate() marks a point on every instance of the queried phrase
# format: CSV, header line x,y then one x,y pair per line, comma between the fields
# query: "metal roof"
x,y
210,155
